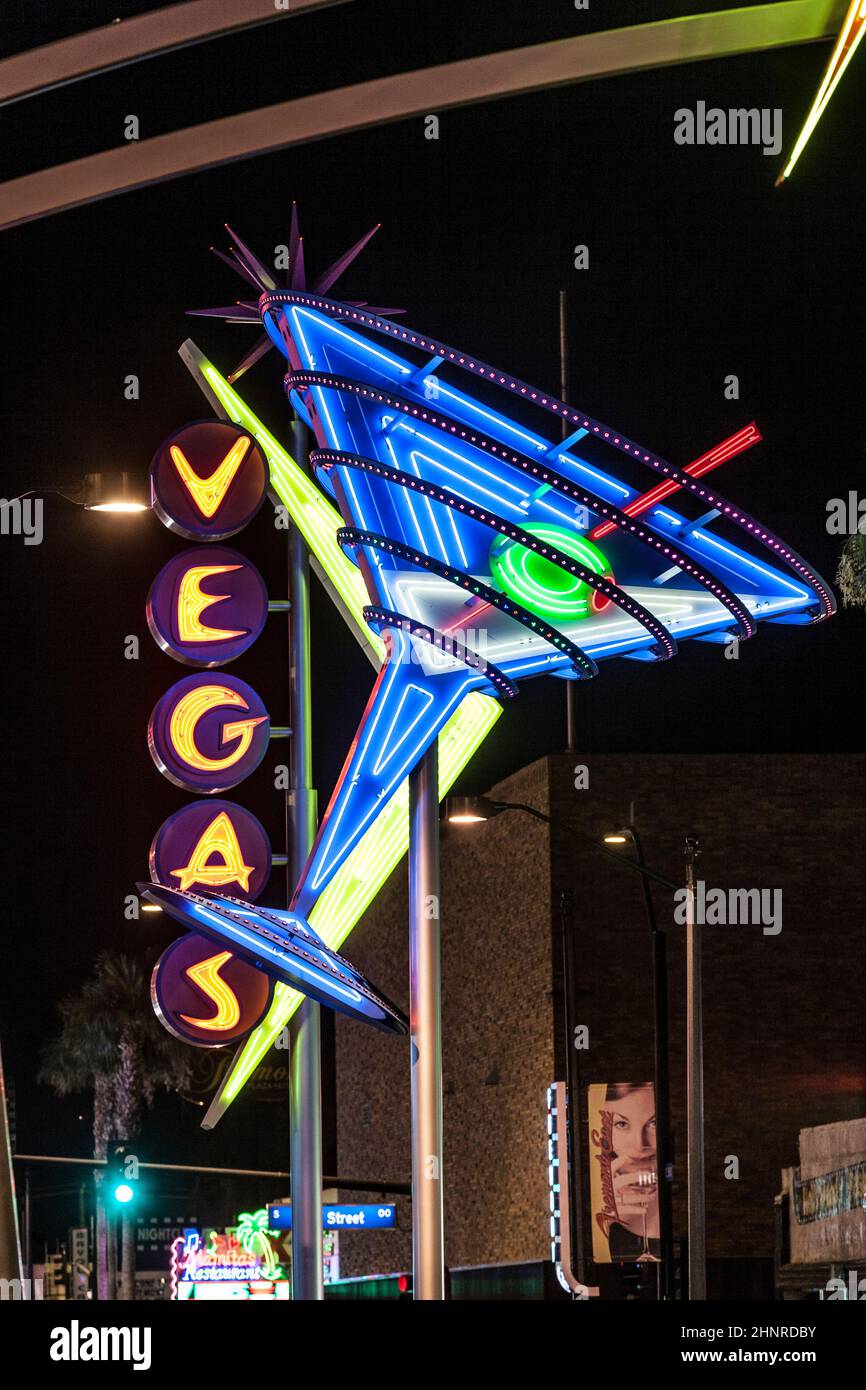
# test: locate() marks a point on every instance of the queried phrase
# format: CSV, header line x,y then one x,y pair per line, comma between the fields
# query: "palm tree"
x,y
851,574
254,1235
111,1041
80,1058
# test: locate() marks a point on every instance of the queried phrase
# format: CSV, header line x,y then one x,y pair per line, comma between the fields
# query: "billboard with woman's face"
x,y
623,1172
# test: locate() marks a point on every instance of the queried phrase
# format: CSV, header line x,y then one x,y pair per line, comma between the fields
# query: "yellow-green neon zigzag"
x,y
357,882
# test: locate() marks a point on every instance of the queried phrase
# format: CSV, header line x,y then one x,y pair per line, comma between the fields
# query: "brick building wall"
x,y
784,1034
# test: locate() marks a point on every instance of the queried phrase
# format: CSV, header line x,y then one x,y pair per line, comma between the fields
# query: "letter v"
x,y
208,493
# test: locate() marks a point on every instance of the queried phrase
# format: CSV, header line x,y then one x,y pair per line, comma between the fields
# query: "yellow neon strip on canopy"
x,y
359,879
853,29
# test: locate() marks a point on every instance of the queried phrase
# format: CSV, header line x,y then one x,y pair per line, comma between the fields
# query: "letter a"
x,y
220,838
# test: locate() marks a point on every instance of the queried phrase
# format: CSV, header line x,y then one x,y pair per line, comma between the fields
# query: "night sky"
x,y
698,268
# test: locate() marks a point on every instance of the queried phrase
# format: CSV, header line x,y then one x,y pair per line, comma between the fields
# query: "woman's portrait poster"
x,y
623,1172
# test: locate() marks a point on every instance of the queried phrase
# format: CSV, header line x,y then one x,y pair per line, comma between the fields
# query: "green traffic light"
x,y
123,1193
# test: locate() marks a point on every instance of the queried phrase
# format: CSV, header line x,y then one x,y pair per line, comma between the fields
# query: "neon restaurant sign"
x,y
451,509
238,1263
252,1259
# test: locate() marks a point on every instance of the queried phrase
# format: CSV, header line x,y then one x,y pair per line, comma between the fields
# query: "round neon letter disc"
x,y
208,732
212,847
205,607
208,480
204,995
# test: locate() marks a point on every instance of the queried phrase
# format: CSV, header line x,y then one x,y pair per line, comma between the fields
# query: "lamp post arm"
x,y
71,491
637,867
648,899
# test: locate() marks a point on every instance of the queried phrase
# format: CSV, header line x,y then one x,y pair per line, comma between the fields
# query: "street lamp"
x,y
108,491
471,810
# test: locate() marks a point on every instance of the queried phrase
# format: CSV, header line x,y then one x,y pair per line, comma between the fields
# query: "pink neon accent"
x,y
728,449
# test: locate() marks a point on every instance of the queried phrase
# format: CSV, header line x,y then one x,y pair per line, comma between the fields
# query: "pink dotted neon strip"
x,y
747,626
667,644
583,664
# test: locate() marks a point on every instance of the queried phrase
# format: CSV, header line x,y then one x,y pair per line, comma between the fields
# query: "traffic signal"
x,y
122,1166
405,1288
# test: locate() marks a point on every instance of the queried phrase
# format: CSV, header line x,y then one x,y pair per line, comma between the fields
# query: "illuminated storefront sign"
x,y
370,1217
241,1263
208,480
212,845
206,607
250,1260
208,732
206,996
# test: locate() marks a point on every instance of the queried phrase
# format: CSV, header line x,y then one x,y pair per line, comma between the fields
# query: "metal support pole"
x,y
111,1227
661,1079
664,1157
572,1081
570,686
305,1066
695,1087
27,1252
425,1029
10,1245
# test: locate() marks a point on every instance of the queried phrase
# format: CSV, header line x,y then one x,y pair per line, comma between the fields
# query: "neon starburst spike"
x,y
490,551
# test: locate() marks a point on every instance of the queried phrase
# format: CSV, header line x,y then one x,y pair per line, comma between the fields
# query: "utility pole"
x,y
695,1086
570,685
574,1167
305,1058
425,1029
10,1245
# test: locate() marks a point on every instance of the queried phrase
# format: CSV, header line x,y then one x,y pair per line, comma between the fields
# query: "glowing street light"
x,y
110,492
115,492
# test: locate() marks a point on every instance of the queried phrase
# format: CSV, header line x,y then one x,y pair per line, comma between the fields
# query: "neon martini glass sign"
x,y
489,552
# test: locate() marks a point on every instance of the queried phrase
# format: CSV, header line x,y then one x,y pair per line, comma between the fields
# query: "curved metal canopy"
x,y
382,100
131,40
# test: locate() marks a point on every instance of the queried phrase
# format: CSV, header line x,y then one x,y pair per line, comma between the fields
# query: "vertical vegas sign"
x,y
210,730
211,860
